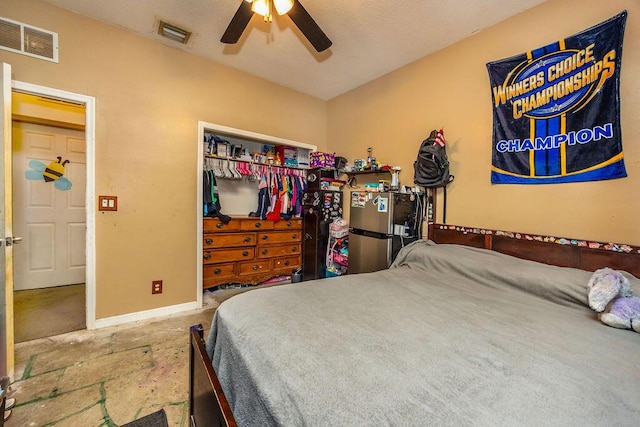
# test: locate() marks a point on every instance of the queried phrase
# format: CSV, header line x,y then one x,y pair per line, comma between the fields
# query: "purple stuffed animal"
x,y
611,286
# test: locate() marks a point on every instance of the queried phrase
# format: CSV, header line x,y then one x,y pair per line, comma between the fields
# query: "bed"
x,y
451,334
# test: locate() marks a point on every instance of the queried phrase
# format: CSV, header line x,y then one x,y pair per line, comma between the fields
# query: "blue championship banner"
x,y
556,110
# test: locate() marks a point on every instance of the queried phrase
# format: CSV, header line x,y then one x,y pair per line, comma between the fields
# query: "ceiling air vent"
x,y
173,32
28,40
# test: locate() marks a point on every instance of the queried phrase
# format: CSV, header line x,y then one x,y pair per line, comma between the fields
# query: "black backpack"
x,y
431,168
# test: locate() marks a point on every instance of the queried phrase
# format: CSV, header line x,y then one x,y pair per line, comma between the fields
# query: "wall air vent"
x,y
28,40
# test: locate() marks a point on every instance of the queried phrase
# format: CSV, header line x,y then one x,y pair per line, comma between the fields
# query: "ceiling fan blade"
x,y
308,27
238,24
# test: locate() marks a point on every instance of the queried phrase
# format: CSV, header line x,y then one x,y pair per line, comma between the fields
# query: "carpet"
x,y
156,419
46,312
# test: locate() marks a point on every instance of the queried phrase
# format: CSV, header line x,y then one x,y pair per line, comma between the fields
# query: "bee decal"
x,y
54,171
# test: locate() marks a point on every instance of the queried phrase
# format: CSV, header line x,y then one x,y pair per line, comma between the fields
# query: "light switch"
x,y
107,203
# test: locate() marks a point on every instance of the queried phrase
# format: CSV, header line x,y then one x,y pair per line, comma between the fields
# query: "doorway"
x,y
87,182
7,364
49,182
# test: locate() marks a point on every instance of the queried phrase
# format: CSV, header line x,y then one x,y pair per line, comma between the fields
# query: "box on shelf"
x,y
322,160
303,158
288,155
371,187
222,149
331,184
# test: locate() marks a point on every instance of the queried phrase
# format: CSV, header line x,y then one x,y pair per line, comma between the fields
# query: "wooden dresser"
x,y
249,250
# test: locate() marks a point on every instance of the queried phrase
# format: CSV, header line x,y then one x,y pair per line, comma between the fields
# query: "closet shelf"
x,y
368,172
211,156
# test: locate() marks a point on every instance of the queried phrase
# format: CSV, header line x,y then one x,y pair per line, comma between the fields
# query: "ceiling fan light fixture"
x,y
262,7
298,14
283,6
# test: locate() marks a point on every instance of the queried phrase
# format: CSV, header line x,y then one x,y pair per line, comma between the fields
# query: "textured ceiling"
x,y
370,37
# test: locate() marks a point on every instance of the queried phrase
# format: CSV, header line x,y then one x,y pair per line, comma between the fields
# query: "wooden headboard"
x,y
560,251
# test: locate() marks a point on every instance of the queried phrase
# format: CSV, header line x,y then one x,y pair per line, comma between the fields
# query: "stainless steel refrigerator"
x,y
380,224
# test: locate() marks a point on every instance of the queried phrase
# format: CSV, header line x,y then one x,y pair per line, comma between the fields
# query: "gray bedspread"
x,y
449,335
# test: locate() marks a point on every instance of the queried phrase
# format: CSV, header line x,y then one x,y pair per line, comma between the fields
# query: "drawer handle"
x,y
286,263
207,256
258,225
219,225
247,239
209,241
255,267
294,249
265,237
294,236
217,271
265,251
245,253
289,224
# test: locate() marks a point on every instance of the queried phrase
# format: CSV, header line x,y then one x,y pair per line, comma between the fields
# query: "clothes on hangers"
x,y
280,189
211,198
280,193
263,199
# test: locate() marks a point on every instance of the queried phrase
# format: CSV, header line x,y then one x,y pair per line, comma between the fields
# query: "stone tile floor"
x,y
107,377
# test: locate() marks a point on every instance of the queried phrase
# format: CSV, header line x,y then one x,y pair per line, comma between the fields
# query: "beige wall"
x,y
450,89
149,98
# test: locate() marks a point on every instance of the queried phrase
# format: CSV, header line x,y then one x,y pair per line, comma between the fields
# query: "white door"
x,y
49,181
6,232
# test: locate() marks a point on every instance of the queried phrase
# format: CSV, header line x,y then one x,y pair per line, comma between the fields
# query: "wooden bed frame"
x,y
564,252
208,405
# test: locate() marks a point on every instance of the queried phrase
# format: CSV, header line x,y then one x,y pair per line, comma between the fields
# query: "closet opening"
x,y
238,161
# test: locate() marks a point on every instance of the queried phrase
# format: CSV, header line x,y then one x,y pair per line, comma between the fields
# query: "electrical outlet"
x,y
156,287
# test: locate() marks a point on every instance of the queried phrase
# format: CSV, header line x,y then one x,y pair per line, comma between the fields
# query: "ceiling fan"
x,y
293,8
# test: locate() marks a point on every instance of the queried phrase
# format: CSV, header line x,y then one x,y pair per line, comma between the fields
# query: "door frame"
x,y
90,197
6,223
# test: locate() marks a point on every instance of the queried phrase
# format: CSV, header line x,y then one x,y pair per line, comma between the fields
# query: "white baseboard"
x,y
145,315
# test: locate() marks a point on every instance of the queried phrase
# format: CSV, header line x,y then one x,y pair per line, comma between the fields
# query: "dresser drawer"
x,y
218,271
256,224
288,224
278,250
215,256
214,225
255,266
288,262
279,237
214,240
